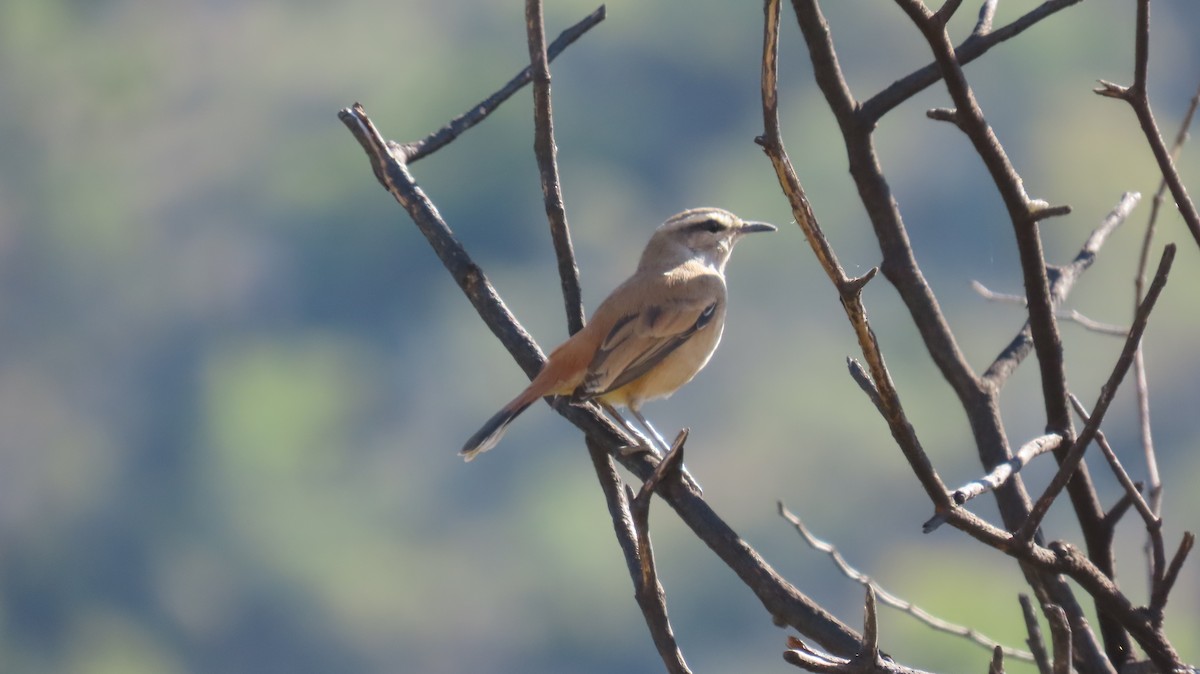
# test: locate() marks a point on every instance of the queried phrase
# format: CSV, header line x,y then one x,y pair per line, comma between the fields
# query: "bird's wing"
x,y
639,340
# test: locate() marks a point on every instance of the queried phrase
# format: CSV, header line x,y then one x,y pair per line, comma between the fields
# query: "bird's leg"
x,y
644,443
662,444
666,448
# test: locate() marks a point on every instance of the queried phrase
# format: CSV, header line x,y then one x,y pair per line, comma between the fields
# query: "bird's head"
x,y
707,233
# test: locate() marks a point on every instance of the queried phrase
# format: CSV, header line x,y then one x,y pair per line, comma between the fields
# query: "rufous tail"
x,y
487,437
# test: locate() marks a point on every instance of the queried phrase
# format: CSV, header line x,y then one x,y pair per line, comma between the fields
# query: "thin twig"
x,y
1137,96
454,128
867,661
1036,447
987,12
1075,454
1073,315
1152,521
1034,632
864,382
892,600
1063,281
1093,325
546,152
849,289
972,48
1139,364
1158,598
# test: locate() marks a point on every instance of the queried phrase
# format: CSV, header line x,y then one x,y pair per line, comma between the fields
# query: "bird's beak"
x,y
749,226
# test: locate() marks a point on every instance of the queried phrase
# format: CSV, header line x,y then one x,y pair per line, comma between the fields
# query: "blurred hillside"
x,y
233,378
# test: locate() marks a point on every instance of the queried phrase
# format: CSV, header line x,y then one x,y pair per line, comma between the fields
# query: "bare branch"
x,y
1073,315
849,290
993,296
1139,365
947,10
1074,455
892,600
1158,598
1004,471
546,152
864,382
649,591
1153,522
1063,281
1138,98
455,128
781,599
651,597
1093,325
972,48
987,12
867,661
1024,214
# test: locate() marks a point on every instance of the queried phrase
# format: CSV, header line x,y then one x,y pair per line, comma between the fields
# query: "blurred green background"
x,y
233,377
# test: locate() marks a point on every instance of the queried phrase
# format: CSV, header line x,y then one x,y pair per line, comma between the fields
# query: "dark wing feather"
x,y
649,346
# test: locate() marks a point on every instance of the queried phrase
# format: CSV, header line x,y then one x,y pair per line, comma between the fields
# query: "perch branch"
x,y
781,599
648,590
651,597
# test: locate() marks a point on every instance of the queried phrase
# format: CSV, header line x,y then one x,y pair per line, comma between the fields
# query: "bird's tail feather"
x,y
487,437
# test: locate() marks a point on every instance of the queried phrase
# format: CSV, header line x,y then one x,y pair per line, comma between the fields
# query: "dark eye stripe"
x,y
709,225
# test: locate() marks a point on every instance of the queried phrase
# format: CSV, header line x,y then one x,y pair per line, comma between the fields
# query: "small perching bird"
x,y
651,335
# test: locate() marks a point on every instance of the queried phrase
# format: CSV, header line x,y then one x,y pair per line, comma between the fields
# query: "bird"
x,y
650,336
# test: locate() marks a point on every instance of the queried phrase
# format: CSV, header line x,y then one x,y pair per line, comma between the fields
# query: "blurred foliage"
x,y
234,378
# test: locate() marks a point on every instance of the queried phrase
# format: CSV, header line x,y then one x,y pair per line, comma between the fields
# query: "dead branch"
x,y
1074,455
892,600
1138,98
546,152
781,599
1035,447
866,661
649,592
